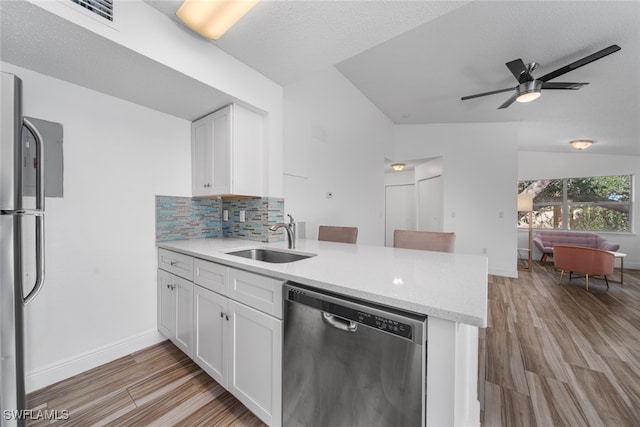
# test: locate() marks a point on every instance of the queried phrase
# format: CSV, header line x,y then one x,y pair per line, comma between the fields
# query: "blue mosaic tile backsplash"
x,y
192,218
260,213
187,218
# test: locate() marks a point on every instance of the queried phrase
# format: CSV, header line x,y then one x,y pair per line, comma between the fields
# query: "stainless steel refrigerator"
x,y
30,169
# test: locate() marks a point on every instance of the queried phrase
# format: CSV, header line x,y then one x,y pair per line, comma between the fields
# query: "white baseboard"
x,y
503,273
64,369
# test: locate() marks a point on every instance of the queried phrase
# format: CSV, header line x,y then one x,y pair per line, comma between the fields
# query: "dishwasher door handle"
x,y
339,323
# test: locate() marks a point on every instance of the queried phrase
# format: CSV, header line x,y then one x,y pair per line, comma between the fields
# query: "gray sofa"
x,y
546,239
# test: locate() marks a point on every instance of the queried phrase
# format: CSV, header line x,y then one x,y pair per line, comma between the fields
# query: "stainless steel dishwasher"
x,y
349,363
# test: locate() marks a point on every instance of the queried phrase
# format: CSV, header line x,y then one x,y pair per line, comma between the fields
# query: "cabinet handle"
x,y
172,263
227,316
221,315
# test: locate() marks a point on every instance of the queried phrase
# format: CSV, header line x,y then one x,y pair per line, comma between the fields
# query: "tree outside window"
x,y
601,203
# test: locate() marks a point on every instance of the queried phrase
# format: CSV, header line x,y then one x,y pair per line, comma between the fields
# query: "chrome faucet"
x,y
291,231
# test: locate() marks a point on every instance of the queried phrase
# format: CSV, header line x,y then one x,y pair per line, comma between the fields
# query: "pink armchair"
x,y
584,260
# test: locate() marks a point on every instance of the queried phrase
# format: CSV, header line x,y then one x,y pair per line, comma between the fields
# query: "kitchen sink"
x,y
271,255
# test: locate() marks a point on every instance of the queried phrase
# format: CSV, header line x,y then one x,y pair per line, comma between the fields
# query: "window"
x,y
600,203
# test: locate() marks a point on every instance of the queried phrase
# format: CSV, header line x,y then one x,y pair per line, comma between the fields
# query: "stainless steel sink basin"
x,y
271,255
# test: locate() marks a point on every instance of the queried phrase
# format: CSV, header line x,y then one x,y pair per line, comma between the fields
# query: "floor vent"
x,y
102,8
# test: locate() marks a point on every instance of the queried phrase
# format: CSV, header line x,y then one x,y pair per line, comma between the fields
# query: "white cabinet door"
x,y
222,146
211,333
255,374
183,290
166,305
201,146
227,153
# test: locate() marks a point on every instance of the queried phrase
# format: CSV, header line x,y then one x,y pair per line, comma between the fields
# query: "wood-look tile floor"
x,y
157,386
551,356
558,355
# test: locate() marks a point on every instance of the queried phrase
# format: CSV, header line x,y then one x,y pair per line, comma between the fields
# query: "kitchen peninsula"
x,y
450,289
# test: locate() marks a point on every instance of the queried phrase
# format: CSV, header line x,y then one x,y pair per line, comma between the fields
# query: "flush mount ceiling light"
x,y
212,18
398,166
581,144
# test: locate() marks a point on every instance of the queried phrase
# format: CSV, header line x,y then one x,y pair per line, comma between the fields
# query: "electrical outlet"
x,y
243,217
225,215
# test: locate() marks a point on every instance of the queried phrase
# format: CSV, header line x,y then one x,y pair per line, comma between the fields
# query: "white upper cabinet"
x,y
227,153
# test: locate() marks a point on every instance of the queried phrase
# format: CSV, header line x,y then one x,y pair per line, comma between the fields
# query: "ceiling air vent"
x,y
102,8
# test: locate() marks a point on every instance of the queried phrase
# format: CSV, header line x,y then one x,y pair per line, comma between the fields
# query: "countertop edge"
x,y
258,267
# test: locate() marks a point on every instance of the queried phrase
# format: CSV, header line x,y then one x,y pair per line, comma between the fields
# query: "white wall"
x,y
148,32
536,165
479,176
334,141
99,298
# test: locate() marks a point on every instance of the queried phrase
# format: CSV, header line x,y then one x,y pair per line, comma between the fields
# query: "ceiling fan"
x,y
529,88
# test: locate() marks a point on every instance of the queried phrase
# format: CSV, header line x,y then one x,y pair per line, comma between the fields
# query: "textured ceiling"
x,y
465,51
286,40
413,59
65,51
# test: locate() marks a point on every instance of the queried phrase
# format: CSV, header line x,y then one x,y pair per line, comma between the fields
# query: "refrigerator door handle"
x,y
40,207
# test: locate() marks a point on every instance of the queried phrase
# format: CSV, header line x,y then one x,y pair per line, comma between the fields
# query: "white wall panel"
x,y
479,164
334,142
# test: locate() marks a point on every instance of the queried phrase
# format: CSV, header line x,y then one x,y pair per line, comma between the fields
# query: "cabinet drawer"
x,y
212,276
178,264
259,292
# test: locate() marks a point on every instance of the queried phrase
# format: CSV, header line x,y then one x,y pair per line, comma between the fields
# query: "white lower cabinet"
x,y
255,362
236,342
175,310
211,333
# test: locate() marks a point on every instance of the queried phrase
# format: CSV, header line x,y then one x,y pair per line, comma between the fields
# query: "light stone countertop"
x,y
444,285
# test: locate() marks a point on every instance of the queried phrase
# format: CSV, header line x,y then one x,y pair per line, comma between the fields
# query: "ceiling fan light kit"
x,y
529,91
530,88
581,144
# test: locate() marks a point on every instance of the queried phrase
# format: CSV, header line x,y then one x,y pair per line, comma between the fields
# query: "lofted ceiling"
x,y
416,59
413,59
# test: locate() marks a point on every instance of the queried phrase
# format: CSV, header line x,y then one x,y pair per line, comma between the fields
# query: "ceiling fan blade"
x,y
581,62
517,67
552,85
509,101
464,98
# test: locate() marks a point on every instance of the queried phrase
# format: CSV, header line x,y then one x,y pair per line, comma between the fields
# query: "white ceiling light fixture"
x,y
581,144
398,166
212,18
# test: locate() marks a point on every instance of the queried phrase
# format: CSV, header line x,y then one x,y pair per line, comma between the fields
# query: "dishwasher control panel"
x,y
352,311
385,324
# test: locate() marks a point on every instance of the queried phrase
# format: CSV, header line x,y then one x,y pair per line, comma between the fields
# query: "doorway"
x,y
430,204
400,210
